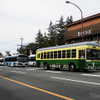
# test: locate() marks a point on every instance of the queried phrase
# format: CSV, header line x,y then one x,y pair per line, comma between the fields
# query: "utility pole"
x,y
21,45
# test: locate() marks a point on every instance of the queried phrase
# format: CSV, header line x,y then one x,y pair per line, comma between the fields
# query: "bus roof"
x,y
33,55
21,55
70,45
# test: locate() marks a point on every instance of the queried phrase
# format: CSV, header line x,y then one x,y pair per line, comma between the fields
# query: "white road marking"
x,y
14,71
79,81
16,68
31,69
53,71
91,75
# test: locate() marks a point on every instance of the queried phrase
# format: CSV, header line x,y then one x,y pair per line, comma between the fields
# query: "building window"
x,y
73,41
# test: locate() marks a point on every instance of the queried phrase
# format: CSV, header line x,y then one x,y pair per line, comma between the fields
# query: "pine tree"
x,y
61,31
69,20
39,39
52,34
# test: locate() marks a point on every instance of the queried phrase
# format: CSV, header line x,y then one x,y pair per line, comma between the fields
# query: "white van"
x,y
32,60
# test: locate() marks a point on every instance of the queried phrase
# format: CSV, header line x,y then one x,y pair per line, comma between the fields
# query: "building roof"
x,y
69,45
84,19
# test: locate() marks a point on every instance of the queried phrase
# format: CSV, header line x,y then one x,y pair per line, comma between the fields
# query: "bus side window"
x,y
51,54
44,55
81,53
41,55
73,53
55,54
59,54
48,54
63,54
68,53
38,55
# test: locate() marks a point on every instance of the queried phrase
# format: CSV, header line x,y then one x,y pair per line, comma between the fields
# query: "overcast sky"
x,y
23,18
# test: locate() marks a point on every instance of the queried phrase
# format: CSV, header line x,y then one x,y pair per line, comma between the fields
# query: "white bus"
x,y
32,60
16,60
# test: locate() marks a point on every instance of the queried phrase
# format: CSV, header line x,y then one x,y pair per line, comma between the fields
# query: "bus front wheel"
x,y
46,66
72,67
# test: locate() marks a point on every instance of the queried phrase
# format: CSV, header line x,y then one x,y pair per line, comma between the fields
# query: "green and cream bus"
x,y
83,56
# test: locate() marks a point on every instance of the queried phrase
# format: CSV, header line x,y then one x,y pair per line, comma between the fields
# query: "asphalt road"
x,y
32,83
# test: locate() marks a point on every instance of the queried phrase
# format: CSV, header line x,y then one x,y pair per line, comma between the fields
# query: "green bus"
x,y
82,56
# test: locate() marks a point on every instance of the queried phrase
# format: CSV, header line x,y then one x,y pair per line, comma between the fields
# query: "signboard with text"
x,y
87,32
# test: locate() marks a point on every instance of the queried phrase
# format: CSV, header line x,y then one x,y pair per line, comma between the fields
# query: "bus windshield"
x,y
93,54
22,59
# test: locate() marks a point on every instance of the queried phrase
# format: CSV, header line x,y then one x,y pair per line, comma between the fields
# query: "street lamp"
x,y
68,2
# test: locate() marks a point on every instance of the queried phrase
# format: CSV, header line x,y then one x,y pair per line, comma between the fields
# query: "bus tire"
x,y
14,65
46,66
57,69
71,67
8,65
33,65
85,70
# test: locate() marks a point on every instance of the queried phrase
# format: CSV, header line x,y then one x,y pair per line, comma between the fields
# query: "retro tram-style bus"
x,y
83,56
16,60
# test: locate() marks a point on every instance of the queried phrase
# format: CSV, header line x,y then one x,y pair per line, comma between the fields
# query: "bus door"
x,y
81,57
81,53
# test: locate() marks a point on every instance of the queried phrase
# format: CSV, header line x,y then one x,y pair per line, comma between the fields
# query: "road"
x,y
31,83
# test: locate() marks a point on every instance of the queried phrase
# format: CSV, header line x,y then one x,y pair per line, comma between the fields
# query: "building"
x,y
91,30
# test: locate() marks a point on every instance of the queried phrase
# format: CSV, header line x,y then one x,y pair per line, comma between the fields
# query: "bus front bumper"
x,y
93,68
